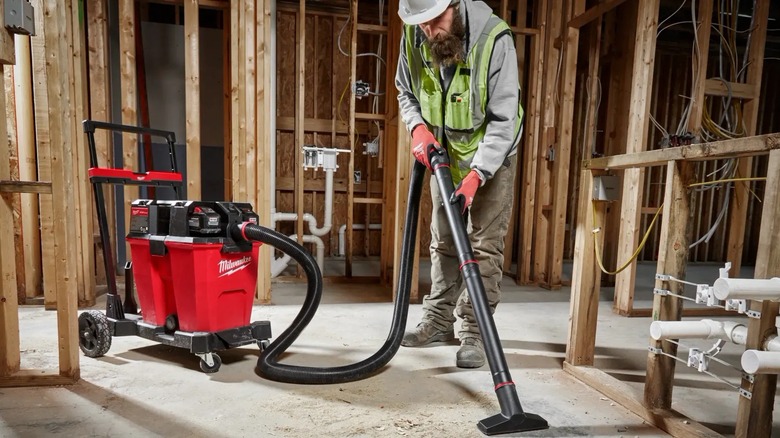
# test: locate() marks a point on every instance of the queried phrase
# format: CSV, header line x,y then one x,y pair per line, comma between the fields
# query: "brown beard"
x,y
447,49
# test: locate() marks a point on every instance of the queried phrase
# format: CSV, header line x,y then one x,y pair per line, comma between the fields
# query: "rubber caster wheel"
x,y
94,333
209,369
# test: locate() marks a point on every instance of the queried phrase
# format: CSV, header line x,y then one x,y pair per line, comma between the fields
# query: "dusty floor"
x,y
145,389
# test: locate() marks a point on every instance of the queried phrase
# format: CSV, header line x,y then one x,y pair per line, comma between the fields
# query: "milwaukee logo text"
x,y
230,267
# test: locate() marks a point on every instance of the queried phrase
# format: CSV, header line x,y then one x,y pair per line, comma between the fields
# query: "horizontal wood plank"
x,y
594,13
669,420
716,87
740,147
25,187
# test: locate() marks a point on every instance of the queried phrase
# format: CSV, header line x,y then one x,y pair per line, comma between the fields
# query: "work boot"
x,y
471,354
425,333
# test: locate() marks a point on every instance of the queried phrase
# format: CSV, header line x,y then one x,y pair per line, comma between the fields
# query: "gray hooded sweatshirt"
x,y
500,141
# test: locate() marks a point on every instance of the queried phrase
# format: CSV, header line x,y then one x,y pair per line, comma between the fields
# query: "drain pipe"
x,y
704,329
280,264
327,221
747,289
343,229
764,362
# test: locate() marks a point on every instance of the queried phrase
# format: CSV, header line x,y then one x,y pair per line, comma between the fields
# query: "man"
x,y
458,89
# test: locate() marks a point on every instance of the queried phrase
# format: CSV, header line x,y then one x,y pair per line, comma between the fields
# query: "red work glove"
x,y
421,139
466,190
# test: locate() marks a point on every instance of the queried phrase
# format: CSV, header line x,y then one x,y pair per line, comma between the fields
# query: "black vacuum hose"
x,y
267,365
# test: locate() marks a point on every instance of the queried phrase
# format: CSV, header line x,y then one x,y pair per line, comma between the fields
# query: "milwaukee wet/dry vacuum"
x,y
195,265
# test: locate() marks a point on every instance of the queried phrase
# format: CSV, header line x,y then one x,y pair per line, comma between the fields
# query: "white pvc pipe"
x,y
761,362
343,229
327,221
747,289
772,343
284,217
309,218
704,329
279,265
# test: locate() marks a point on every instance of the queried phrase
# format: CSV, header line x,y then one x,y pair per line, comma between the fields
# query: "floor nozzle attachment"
x,y
523,422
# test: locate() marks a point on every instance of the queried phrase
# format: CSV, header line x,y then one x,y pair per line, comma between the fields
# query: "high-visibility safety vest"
x,y
460,110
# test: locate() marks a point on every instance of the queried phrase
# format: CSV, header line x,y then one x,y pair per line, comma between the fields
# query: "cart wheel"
x,y
208,369
94,333
263,344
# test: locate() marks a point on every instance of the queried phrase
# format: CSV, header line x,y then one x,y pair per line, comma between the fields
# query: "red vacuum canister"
x,y
189,274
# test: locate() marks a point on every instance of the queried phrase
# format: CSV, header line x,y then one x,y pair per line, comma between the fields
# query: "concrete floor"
x,y
141,388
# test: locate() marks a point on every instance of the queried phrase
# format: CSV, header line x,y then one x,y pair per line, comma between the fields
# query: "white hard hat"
x,y
420,11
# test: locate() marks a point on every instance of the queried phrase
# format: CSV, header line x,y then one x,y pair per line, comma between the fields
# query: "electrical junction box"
x,y
325,158
19,17
605,188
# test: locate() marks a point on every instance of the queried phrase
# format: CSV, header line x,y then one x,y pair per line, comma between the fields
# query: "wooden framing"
x,y
739,202
43,152
560,173
638,122
129,85
531,141
192,96
352,144
62,115
99,107
754,415
25,135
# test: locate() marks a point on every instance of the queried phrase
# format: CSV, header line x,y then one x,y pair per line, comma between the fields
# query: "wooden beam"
x,y
249,108
300,114
511,234
25,134
128,98
237,67
676,231
318,125
35,378
85,263
25,187
352,137
389,148
700,60
372,28
561,171
593,13
667,420
739,202
100,107
264,140
586,278
547,137
525,31
9,313
738,147
61,117
340,185
43,154
638,122
716,87
754,415
223,5
11,144
192,97
227,121
531,146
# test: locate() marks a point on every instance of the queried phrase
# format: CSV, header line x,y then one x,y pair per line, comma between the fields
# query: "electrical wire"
x,y
763,178
597,229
